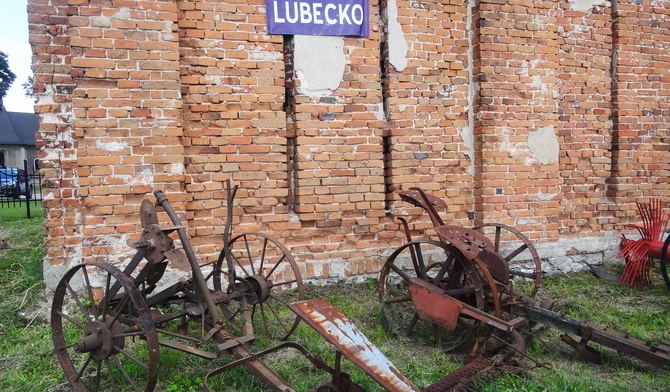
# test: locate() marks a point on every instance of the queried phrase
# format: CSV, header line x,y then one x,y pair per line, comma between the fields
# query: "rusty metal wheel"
x,y
435,262
268,279
519,253
103,334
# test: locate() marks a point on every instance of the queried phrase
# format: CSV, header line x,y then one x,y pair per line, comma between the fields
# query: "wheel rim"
x,y
520,254
104,337
437,263
270,279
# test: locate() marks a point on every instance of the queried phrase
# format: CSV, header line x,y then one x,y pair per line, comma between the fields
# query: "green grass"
x,y
28,362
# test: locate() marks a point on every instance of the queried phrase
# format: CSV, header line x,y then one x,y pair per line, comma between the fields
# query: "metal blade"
x,y
148,214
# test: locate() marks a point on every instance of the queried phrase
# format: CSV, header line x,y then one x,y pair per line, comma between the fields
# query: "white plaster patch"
x,y
123,14
544,145
544,196
396,40
319,63
177,168
379,112
585,5
468,136
101,21
52,274
111,146
264,55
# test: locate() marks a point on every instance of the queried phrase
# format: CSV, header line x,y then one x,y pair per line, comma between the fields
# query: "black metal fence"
x,y
19,187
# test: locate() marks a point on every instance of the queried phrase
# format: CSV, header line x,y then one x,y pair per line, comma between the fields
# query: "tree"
x,y
6,75
28,88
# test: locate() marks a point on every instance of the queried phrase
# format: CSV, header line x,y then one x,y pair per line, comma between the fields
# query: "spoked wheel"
x,y
103,335
519,253
268,278
437,263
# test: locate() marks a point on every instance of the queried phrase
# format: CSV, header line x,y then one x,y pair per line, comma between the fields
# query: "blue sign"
x,y
318,17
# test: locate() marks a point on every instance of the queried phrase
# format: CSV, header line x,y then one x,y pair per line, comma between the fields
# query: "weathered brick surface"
x,y
428,108
585,133
232,114
547,116
641,105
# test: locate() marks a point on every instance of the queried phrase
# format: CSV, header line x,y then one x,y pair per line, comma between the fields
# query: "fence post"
x,y
27,183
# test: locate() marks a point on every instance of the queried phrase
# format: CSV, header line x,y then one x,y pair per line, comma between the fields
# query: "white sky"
x,y
14,42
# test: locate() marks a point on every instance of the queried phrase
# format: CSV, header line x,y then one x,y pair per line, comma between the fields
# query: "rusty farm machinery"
x,y
108,323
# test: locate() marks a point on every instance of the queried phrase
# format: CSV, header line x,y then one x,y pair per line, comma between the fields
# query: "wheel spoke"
x,y
111,374
105,299
79,304
265,245
264,318
412,324
283,257
251,260
239,264
132,358
97,375
90,293
117,312
516,252
274,312
397,300
125,374
417,261
70,319
285,283
85,365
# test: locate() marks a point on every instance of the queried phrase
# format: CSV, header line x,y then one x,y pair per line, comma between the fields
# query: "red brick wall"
x,y
518,83
585,110
545,116
641,104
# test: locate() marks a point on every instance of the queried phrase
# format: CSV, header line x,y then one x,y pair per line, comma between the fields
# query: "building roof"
x,y
18,128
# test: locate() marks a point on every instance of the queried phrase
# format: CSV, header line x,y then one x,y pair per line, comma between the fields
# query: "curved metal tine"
x,y
430,209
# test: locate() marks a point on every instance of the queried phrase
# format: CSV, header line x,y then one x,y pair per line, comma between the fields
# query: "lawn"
x,y
28,362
